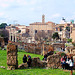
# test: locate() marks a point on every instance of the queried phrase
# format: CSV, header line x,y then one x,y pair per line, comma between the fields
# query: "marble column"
x,y
10,36
15,37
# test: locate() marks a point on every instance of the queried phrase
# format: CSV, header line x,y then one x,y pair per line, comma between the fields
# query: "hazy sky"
x,y
25,12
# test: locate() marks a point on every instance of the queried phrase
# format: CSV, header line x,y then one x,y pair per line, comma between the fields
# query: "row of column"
x,y
13,37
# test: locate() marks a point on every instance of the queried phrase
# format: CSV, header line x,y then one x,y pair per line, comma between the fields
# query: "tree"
x,y
19,31
3,25
4,33
40,36
68,28
69,40
55,35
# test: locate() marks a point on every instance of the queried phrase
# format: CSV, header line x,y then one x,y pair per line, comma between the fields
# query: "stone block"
x,y
23,65
54,61
11,68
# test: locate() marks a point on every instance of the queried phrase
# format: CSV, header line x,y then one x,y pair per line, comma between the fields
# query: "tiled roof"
x,y
38,23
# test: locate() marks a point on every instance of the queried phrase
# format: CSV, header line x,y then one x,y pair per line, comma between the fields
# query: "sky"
x,y
25,12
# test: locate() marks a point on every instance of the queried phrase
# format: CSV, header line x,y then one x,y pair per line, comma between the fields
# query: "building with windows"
x,y
41,26
62,30
72,32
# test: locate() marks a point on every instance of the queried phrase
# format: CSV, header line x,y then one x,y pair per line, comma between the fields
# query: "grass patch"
x,y
33,71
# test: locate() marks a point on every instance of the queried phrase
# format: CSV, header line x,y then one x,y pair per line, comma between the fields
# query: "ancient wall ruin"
x,y
34,48
58,45
38,48
12,61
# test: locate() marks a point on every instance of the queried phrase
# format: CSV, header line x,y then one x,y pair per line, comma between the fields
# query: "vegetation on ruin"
x,y
69,40
33,71
55,35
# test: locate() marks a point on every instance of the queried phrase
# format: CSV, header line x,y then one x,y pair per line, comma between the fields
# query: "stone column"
x,y
9,36
43,48
70,51
12,37
15,37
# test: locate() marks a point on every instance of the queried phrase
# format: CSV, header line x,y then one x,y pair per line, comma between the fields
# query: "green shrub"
x,y
62,54
69,40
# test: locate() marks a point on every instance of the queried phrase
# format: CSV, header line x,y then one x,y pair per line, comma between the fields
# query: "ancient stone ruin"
x,y
12,61
36,62
34,48
54,61
57,46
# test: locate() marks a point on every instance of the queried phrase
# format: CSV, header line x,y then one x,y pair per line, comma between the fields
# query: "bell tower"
x,y
43,18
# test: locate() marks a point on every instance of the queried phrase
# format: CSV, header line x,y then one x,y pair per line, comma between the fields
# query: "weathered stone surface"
x,y
23,65
11,68
58,45
12,61
36,62
54,61
34,48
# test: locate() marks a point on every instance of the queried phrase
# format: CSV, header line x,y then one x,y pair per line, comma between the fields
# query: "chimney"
x,y
43,18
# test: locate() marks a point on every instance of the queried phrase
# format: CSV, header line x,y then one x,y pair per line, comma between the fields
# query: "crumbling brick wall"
x,y
12,61
54,61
